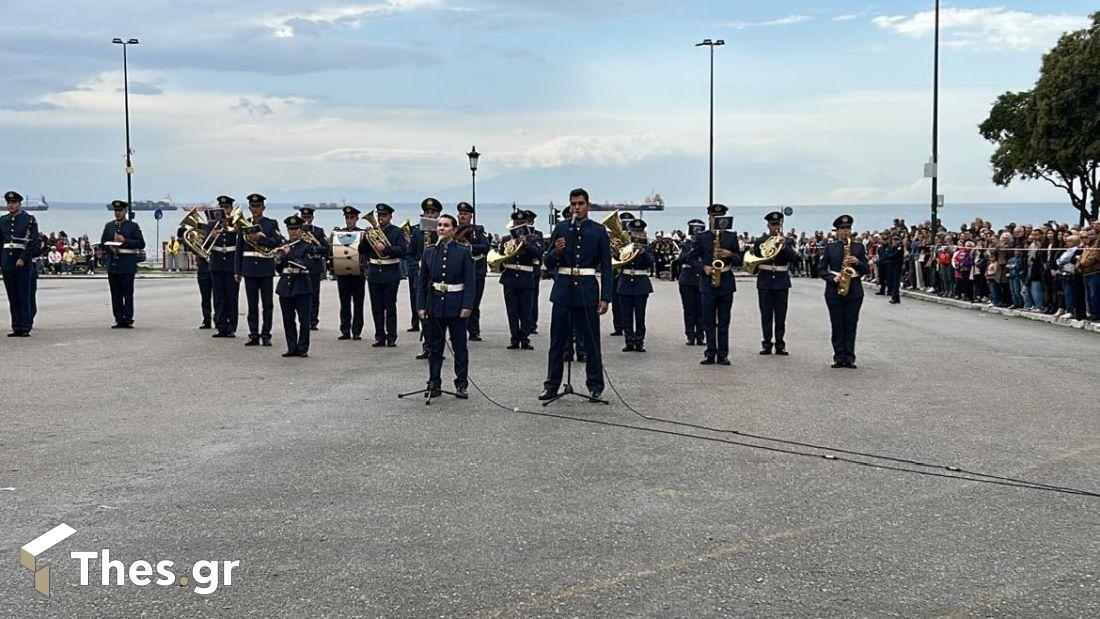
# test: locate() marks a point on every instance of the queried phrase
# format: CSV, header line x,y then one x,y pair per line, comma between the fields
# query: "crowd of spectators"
x,y
63,255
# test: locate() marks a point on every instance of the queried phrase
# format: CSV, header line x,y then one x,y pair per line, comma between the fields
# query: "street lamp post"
x,y
936,127
473,155
126,103
711,44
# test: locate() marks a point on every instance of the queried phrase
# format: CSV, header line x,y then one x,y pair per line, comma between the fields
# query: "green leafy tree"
x,y
1052,132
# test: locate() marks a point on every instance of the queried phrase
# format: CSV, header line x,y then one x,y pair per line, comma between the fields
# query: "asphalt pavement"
x,y
338,499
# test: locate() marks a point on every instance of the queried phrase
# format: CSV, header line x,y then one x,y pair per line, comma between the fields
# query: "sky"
x,y
379,100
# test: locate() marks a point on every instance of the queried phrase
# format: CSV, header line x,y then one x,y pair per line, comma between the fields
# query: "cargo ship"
x,y
653,202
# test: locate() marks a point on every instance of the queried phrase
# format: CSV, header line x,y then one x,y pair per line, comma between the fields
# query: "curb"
x,y
1084,325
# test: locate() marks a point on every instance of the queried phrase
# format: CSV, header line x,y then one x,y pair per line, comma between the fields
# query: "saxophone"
x,y
847,273
716,265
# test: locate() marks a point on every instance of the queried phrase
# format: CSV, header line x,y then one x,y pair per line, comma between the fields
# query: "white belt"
x,y
384,261
520,267
256,254
223,249
479,257
576,272
294,271
635,272
15,245
126,251
774,267
448,287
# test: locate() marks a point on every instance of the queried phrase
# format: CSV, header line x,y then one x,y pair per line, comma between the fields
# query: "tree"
x,y
1052,132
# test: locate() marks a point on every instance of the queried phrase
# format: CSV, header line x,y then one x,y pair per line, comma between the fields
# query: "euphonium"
x,y
263,251
717,265
769,249
374,233
847,273
193,236
615,232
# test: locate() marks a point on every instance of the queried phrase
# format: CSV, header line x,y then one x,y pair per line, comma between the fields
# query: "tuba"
x,y
769,249
847,273
615,232
193,235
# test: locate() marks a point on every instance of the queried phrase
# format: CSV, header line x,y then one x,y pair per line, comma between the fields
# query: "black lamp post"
x,y
936,129
473,155
711,44
126,103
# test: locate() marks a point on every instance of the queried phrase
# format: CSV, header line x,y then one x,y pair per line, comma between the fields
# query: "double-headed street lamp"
x,y
473,155
126,102
711,44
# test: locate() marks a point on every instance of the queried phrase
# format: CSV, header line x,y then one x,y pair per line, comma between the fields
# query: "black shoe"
x,y
344,336
838,364
314,328
474,338
356,337
581,358
568,358
18,334
230,335
290,354
851,365
690,342
617,332
391,344
639,348
378,344
548,394
701,343
765,351
412,329
781,352
423,355
252,341
435,392
219,334
266,341
880,294
628,348
116,326
205,325
513,346
723,361
534,331
460,393
707,361
895,301
526,346
595,396
303,354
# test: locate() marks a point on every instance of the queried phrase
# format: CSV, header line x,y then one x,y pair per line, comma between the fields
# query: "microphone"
x,y
573,219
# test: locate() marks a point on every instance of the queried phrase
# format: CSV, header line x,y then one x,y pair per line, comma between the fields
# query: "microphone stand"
x,y
567,388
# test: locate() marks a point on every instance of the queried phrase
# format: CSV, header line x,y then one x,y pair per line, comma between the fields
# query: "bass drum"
x,y
346,259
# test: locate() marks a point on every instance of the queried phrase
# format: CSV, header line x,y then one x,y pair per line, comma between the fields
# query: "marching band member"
x,y
19,244
688,279
123,241
445,298
479,247
529,218
773,284
843,264
716,252
616,304
352,288
257,268
317,267
384,277
634,288
295,288
422,237
202,270
579,251
225,288
518,277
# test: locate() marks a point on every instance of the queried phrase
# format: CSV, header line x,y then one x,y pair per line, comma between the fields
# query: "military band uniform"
x,y
317,272
206,301
634,289
617,320
383,281
447,287
19,244
295,296
575,296
518,277
222,266
479,249
533,322
122,265
773,284
352,290
843,311
717,302
890,259
688,282
258,272
414,251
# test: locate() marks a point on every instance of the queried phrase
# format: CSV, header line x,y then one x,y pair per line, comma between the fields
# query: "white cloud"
x,y
990,28
848,17
351,15
781,21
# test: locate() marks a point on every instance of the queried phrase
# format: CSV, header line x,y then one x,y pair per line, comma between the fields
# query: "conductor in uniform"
x,y
295,289
843,309
634,288
226,290
19,244
469,232
773,285
688,283
384,277
518,278
719,244
579,255
256,267
447,286
317,267
123,241
352,288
